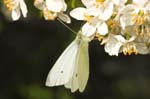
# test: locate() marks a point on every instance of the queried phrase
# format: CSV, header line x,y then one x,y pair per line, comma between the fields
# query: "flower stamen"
x,y
88,18
10,4
98,37
98,3
139,18
130,48
49,15
111,23
142,31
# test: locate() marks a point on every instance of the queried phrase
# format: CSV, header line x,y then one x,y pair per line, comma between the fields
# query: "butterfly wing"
x,y
62,70
83,65
73,83
81,70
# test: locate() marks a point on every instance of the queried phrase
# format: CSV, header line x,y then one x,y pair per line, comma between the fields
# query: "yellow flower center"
x,y
99,37
88,18
130,48
99,3
111,23
10,4
49,15
139,18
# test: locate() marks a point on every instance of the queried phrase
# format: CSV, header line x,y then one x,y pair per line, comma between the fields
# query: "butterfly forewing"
x,y
62,70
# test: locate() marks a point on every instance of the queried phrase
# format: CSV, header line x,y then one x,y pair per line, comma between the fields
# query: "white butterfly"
x,y
72,67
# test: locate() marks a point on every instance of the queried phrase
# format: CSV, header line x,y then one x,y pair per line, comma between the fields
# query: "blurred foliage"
x,y
74,3
38,92
1,2
35,92
29,48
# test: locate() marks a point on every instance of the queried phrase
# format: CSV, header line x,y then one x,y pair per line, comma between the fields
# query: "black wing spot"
x,y
76,75
62,72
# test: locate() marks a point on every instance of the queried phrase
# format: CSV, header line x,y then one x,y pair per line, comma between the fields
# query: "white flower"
x,y
53,9
15,6
89,28
135,14
96,8
115,42
95,26
96,13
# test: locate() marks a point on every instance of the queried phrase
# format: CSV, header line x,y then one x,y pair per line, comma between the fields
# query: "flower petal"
x,y
118,2
121,38
88,29
78,13
88,3
64,17
93,11
112,47
126,20
102,28
56,5
107,11
15,14
23,8
142,48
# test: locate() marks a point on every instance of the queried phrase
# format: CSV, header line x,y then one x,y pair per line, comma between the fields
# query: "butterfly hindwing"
x,y
81,70
83,65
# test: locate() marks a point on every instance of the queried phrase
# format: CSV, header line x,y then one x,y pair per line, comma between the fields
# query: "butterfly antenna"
x,y
66,26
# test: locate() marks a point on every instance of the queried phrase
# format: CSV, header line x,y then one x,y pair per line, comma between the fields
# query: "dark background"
x,y
29,48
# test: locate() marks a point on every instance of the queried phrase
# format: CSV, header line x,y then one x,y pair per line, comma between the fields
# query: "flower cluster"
x,y
122,26
52,9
